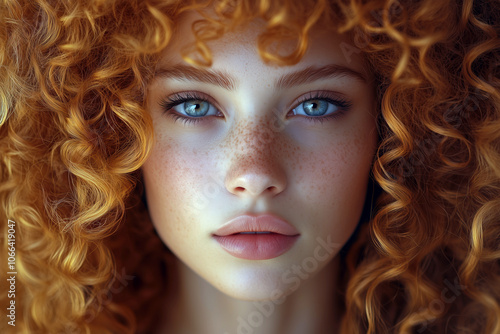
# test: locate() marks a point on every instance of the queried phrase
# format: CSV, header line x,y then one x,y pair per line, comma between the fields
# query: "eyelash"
x,y
341,103
177,99
168,104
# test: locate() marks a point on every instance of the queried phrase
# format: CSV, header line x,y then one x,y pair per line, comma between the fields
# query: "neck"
x,y
201,308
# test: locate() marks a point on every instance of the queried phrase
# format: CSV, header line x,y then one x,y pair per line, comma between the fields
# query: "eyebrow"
x,y
312,73
214,77
227,81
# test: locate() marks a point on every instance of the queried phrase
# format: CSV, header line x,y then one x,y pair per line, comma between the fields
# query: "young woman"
x,y
250,166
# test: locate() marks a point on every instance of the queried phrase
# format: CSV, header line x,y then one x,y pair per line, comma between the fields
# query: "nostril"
x,y
272,188
254,185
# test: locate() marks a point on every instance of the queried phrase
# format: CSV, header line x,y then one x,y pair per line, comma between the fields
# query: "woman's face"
x,y
243,137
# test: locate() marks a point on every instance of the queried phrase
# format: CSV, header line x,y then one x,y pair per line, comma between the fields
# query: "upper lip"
x,y
257,223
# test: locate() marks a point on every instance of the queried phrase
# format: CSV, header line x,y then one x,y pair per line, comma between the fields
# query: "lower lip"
x,y
256,246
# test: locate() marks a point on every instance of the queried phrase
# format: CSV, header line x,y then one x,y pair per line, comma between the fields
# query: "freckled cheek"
x,y
336,179
172,179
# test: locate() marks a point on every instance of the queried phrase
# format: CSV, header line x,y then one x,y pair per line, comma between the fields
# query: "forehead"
x,y
239,46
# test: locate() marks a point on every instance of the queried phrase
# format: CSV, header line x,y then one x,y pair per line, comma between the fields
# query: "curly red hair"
x,y
74,133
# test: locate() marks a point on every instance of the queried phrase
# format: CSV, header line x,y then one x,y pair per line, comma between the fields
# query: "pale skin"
x,y
254,150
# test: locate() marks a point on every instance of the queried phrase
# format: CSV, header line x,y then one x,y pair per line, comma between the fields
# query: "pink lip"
x,y
280,237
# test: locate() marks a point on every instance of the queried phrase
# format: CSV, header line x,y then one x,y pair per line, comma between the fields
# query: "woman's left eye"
x,y
318,109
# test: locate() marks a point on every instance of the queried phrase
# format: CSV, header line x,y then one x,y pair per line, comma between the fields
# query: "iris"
x,y
196,108
315,107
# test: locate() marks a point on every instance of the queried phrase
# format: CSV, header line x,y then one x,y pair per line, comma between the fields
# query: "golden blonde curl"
x,y
74,132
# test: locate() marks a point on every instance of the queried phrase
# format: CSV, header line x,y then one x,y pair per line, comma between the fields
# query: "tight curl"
x,y
74,132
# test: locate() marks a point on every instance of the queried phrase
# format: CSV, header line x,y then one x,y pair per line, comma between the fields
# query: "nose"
x,y
255,169
254,181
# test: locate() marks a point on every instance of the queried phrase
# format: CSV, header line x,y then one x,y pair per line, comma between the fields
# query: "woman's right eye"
x,y
194,108
188,109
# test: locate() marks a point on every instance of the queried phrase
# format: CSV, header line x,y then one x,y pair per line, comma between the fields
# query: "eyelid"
x,y
193,94
316,94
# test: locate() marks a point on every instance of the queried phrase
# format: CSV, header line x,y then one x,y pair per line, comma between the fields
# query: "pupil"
x,y
315,107
196,107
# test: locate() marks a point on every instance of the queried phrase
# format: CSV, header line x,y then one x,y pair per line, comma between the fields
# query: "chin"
x,y
256,285
258,293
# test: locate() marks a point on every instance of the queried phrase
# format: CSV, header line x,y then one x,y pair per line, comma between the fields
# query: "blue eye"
x,y
188,108
194,108
315,107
